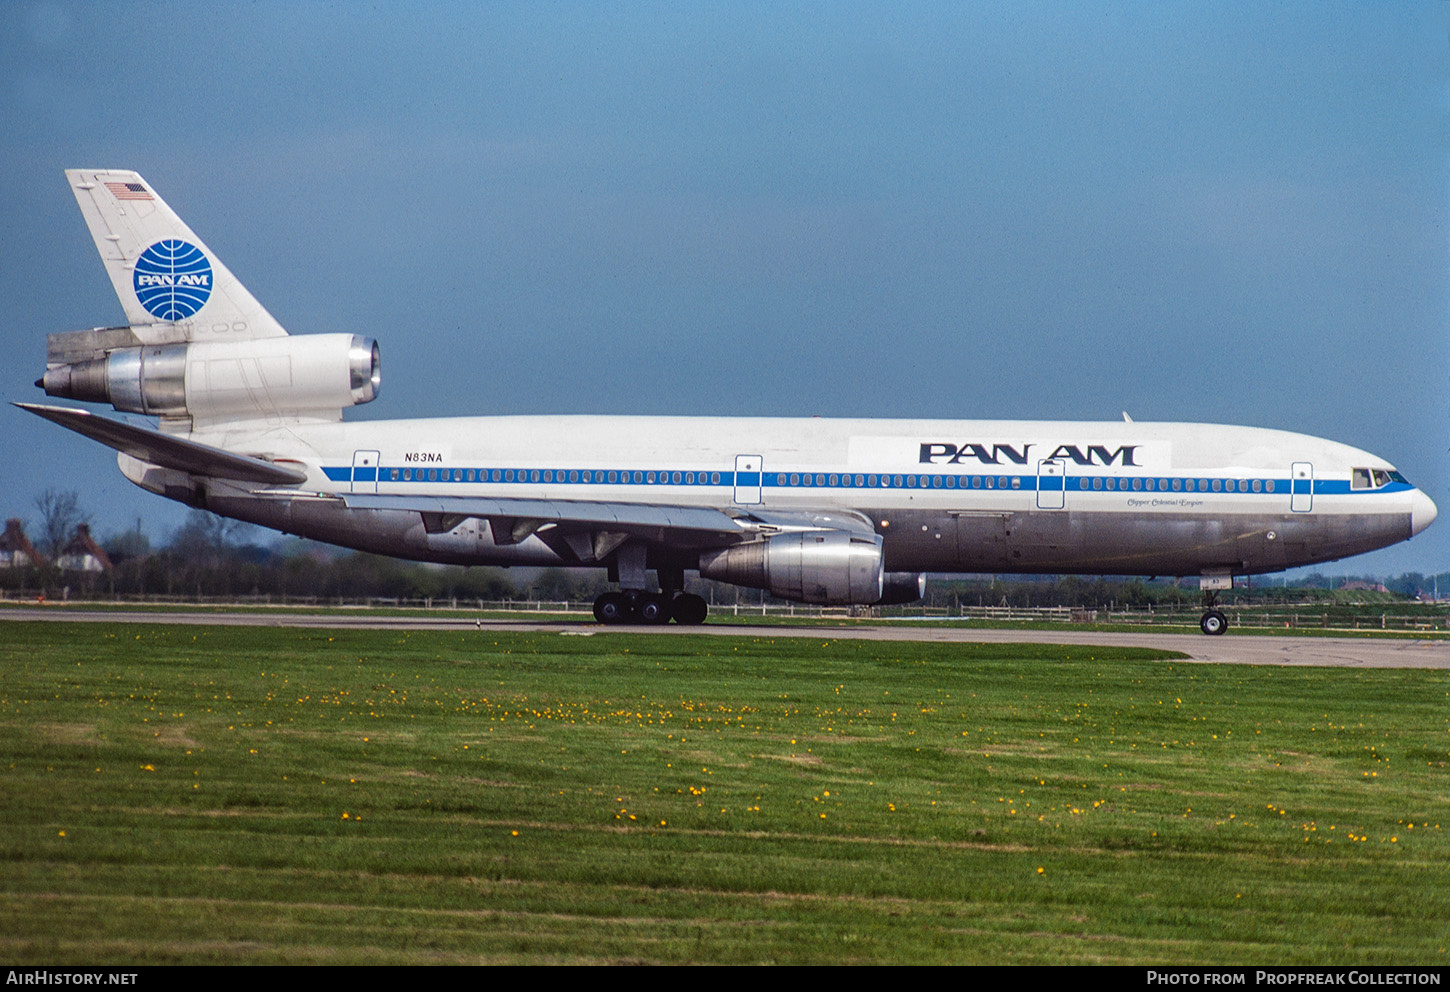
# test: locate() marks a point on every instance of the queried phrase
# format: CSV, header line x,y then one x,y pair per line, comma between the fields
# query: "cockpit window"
x,y
1372,478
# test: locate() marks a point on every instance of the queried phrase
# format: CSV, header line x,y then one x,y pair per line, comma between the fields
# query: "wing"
x,y
591,530
168,451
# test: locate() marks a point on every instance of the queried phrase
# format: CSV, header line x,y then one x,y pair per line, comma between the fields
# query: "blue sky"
x,y
1205,212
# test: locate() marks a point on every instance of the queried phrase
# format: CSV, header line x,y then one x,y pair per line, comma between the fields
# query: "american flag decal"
x,y
129,191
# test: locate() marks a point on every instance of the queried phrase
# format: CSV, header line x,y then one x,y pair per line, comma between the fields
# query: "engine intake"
x,y
832,567
317,374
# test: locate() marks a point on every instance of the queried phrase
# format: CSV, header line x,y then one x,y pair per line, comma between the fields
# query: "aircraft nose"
x,y
1422,512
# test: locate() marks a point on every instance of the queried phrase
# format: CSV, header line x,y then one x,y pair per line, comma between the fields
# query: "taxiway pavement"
x,y
1240,649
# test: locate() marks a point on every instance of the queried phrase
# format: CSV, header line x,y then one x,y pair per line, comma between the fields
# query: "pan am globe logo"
x,y
172,280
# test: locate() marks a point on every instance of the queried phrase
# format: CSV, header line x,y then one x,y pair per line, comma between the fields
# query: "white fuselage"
x,y
947,496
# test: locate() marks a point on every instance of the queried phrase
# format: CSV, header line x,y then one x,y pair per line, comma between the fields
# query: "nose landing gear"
x,y
1213,621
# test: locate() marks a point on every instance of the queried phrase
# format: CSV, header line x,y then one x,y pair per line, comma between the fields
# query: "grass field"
x,y
180,794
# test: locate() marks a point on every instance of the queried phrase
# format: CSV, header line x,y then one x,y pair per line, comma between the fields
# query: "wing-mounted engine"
x,y
829,567
314,376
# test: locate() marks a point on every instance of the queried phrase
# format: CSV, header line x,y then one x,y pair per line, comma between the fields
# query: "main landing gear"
x,y
1213,621
634,603
634,606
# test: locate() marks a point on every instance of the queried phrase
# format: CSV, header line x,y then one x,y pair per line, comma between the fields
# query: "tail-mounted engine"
x,y
312,375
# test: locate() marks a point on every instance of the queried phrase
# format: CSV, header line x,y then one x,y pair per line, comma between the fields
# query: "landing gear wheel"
x,y
1213,622
689,609
654,609
611,607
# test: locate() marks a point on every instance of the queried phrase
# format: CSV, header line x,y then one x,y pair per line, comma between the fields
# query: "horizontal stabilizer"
x,y
168,451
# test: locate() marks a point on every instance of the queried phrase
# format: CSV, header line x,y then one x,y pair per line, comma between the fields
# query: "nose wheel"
x,y
1213,622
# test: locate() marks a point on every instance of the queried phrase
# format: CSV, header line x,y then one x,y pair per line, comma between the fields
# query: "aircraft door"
x,y
364,471
1051,484
1301,487
747,479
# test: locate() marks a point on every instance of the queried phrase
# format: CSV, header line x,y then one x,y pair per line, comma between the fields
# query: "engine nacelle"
x,y
830,567
309,374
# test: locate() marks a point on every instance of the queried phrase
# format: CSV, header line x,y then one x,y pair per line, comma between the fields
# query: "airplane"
x,y
825,511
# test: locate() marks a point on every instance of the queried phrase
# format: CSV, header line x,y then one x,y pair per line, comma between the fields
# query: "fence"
x,y
1410,617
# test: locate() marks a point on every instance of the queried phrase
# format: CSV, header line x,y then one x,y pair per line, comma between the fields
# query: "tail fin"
x,y
171,286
